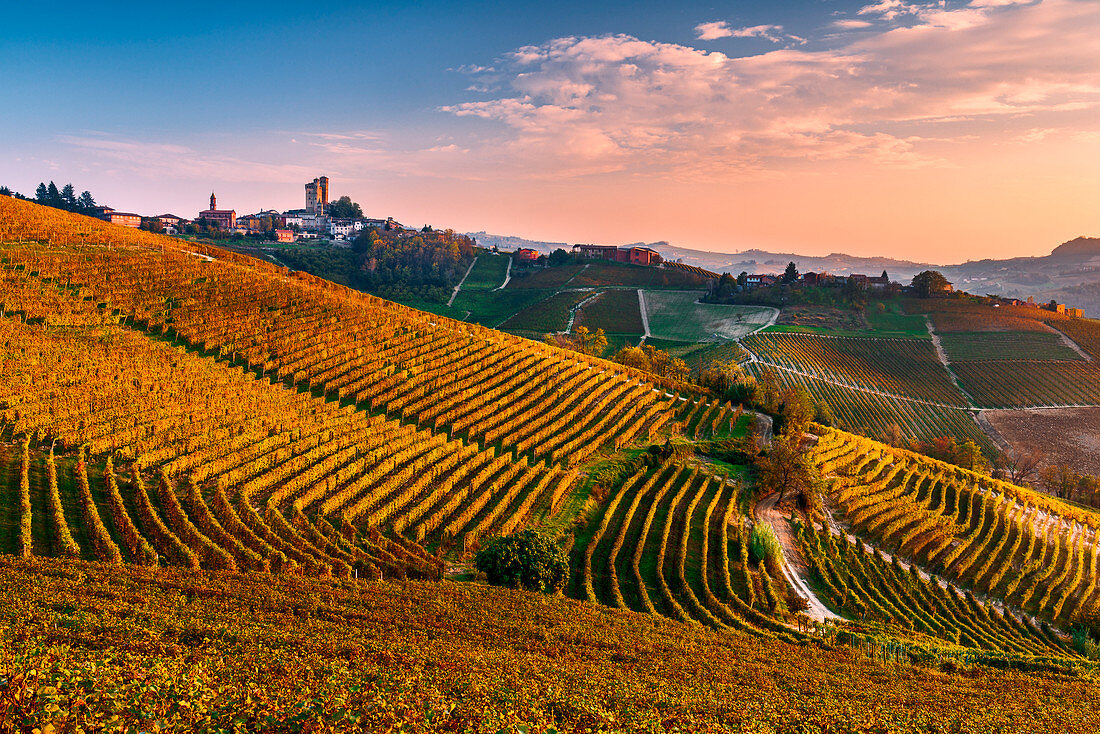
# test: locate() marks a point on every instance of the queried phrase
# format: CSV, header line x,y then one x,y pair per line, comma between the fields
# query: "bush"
x,y
525,560
764,546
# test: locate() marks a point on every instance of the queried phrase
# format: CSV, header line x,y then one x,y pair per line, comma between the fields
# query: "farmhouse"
x,y
634,254
526,255
126,219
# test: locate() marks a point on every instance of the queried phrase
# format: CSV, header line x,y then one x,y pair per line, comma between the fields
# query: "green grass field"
x,y
677,316
488,272
492,308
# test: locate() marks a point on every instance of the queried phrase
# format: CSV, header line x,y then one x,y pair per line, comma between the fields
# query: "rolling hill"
x,y
233,495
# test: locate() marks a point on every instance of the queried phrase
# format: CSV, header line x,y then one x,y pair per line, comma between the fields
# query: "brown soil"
x,y
1065,435
820,316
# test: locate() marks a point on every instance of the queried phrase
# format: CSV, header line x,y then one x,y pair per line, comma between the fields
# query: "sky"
x,y
931,131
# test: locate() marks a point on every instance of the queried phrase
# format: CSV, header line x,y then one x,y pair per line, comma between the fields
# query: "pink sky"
x,y
905,129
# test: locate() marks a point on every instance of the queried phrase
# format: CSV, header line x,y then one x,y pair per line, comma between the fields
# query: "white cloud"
x,y
721,29
713,31
771,32
581,105
849,24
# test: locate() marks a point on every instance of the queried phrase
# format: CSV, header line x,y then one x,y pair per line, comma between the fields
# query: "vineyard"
x,y
962,346
1021,384
873,414
614,311
250,483
107,649
1036,553
867,586
903,367
259,420
548,315
671,542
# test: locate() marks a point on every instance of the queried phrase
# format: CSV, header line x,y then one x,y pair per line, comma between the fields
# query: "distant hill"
x,y
508,242
1080,247
1068,274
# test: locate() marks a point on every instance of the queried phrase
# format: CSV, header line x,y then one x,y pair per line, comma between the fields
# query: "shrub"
x,y
525,560
764,546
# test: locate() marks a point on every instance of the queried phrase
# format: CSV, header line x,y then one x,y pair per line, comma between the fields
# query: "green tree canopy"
x,y
790,275
344,208
525,560
929,283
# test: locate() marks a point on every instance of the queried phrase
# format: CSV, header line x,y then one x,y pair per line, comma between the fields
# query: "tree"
x,y
1020,467
525,560
42,195
53,196
558,257
796,410
885,277
790,275
588,342
929,283
1062,480
86,202
68,197
344,208
786,468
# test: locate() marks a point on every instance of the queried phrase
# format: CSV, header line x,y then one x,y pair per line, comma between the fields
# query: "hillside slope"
x,y
293,417
92,646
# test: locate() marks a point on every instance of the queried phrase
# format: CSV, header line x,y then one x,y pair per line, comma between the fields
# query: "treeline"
x,y
424,267
64,198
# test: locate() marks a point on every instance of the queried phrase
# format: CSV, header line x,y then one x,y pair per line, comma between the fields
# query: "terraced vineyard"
x,y
867,586
294,418
905,367
670,542
1035,552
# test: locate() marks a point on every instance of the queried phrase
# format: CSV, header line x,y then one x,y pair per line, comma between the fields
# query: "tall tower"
x,y
213,202
317,195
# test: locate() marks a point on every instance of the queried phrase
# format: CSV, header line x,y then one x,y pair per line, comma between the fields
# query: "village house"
x,y
126,219
526,255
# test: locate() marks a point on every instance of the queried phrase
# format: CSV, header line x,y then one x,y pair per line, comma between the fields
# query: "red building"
x,y
284,235
220,218
634,255
526,255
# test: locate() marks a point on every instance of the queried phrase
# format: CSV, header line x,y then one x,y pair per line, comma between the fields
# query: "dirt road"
x,y
795,570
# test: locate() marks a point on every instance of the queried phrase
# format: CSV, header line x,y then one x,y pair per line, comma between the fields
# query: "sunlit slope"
x,y
259,420
470,381
199,653
1032,551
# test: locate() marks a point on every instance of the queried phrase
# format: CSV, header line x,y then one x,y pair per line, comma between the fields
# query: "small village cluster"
x,y
314,220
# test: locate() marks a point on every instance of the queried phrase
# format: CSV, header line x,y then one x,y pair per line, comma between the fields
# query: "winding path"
x,y
507,276
464,277
794,567
645,315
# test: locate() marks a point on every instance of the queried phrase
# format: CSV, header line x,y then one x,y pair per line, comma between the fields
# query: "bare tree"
x,y
1021,467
